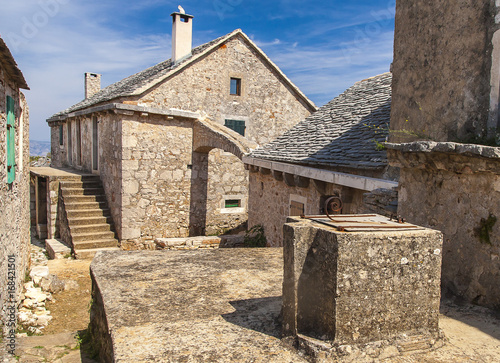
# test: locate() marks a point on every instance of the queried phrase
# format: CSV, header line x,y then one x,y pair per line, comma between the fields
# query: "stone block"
x,y
360,287
56,249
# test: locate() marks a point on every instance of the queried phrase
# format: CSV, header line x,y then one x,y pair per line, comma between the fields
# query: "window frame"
x,y
237,86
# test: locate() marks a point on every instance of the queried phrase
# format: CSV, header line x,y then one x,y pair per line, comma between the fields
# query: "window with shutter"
x,y
11,140
236,125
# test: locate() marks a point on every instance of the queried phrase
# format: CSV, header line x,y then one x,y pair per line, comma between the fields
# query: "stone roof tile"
x,y
10,66
127,87
342,133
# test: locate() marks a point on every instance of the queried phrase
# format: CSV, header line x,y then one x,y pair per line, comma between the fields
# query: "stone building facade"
x,y
333,152
135,136
445,88
14,187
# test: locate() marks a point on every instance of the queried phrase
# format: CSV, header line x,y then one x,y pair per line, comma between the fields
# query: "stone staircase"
x,y
89,221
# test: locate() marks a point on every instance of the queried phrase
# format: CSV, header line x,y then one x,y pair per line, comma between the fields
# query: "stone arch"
x,y
208,135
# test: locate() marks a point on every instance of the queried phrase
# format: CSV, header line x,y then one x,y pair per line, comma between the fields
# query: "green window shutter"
x,y
236,125
11,140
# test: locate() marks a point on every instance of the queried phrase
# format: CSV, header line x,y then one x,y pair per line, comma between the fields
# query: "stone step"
x,y
89,254
82,191
96,236
80,184
81,206
84,199
104,243
87,212
86,221
97,228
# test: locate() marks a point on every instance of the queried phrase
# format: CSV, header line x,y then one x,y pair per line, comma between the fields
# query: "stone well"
x,y
361,279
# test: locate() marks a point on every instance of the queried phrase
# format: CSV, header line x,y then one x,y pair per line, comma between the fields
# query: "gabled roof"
x,y
341,133
10,66
140,82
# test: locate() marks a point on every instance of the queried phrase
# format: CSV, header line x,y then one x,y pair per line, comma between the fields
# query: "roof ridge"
x,y
101,96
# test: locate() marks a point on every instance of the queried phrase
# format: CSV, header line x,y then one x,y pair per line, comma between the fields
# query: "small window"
x,y
232,203
235,86
236,125
61,135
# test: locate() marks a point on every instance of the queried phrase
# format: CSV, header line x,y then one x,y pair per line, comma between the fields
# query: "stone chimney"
x,y
92,84
182,34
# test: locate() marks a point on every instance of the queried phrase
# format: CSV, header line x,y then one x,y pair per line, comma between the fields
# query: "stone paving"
x,y
223,305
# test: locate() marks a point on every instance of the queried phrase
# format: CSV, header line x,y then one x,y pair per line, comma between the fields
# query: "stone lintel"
x,y
119,107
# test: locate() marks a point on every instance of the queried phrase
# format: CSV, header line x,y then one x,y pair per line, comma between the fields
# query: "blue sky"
x,y
322,46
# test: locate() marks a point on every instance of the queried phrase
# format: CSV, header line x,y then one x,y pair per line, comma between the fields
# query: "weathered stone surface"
x,y
360,287
382,201
14,197
442,69
187,243
457,194
56,249
216,305
147,163
269,203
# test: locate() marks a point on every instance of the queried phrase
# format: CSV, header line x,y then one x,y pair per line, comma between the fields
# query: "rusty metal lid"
x,y
364,223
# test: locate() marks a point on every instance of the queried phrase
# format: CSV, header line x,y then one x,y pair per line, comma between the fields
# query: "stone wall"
x,y
111,163
269,202
15,202
441,69
382,201
455,188
266,104
156,178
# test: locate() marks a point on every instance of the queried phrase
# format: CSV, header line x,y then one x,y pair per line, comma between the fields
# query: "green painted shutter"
x,y
11,141
236,125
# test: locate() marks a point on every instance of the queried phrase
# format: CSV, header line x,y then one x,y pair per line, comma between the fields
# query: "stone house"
x,y
333,152
444,114
167,141
14,186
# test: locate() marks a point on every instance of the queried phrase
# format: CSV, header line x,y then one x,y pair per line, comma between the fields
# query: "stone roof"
x,y
144,80
342,133
10,66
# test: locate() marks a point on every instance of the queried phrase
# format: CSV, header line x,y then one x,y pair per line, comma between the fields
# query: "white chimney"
x,y
92,84
182,35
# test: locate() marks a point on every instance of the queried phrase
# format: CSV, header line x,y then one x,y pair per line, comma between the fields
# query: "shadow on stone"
x,y
261,315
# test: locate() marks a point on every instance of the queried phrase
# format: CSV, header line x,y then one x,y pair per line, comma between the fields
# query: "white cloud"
x,y
324,71
54,55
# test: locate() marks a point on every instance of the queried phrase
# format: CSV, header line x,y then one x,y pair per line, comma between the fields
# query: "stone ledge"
x,y
56,249
447,147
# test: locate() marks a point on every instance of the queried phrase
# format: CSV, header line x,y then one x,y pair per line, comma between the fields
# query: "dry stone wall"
x,y
269,202
457,194
156,178
15,204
